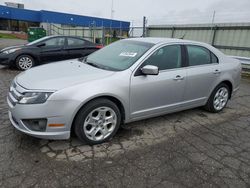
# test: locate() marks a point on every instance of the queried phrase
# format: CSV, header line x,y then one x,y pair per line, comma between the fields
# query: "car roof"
x,y
52,36
155,40
160,41
68,36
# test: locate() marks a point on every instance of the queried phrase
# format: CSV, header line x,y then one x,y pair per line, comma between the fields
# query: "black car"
x,y
47,49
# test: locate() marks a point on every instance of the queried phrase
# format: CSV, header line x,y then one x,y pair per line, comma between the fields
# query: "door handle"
x,y
178,77
216,71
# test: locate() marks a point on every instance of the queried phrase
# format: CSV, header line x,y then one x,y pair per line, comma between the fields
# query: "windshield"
x,y
120,55
37,41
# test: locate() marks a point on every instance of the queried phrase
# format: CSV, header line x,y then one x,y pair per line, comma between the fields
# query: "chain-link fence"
x,y
136,32
100,35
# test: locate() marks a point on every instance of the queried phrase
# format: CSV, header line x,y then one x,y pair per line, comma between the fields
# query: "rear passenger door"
x,y
202,72
77,48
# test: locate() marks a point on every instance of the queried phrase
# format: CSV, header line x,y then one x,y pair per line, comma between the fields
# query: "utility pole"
x,y
112,9
213,18
144,26
132,28
213,29
212,24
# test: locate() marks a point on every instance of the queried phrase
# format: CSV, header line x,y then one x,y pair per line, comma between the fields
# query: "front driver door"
x,y
53,50
158,94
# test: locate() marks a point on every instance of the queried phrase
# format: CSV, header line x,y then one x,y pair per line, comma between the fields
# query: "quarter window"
x,y
168,57
214,59
200,56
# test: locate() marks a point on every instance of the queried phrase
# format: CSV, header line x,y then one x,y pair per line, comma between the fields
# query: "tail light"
x,y
99,46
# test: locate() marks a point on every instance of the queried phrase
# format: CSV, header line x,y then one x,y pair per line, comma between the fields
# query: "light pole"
x,y
112,9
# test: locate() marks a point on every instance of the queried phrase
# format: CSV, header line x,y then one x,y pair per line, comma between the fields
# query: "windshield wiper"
x,y
82,59
85,60
93,64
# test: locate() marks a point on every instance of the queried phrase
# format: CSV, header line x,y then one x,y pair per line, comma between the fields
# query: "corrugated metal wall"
x,y
232,39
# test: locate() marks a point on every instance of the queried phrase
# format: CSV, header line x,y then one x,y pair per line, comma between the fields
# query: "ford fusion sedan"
x,y
129,80
47,49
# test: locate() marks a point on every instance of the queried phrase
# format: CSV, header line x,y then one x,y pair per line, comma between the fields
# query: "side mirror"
x,y
41,45
150,70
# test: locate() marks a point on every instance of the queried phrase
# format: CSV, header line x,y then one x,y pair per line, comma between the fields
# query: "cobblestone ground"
x,y
187,149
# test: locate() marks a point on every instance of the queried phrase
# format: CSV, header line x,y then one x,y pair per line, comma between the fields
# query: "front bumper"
x,y
58,135
55,112
5,59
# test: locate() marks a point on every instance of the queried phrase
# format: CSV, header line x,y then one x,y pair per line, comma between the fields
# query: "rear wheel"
x,y
25,62
97,122
218,99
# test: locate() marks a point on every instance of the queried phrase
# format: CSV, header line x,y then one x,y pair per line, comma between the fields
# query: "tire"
x,y
222,99
97,122
25,62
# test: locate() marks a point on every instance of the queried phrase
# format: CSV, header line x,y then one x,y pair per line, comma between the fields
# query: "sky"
x,y
156,11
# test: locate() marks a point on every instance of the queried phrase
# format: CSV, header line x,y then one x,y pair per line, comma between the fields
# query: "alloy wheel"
x,y
25,63
100,123
221,98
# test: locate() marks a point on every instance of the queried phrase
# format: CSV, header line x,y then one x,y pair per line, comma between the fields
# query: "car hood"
x,y
56,76
12,47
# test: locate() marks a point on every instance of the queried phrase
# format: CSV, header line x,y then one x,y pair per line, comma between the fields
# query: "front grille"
x,y
14,95
10,100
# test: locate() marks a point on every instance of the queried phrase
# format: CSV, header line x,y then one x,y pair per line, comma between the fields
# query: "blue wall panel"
x,y
59,18
4,12
19,14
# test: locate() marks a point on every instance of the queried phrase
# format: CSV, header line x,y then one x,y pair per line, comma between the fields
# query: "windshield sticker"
x,y
128,54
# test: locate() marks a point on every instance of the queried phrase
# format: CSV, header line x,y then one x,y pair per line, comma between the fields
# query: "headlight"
x,y
34,98
12,83
10,51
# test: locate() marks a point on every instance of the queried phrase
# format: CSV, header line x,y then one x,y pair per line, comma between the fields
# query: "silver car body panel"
x,y
64,74
75,83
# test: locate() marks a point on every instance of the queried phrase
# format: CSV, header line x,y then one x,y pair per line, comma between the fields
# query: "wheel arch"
x,y
36,59
230,85
118,102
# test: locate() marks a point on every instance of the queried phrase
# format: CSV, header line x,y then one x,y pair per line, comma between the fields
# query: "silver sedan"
x,y
129,80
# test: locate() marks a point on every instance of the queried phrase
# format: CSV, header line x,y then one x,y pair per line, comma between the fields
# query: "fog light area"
x,y
36,124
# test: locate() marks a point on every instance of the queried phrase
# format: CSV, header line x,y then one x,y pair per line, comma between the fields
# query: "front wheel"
x,y
218,99
24,62
97,122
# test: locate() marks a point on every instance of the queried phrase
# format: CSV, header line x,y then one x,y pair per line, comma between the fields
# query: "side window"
x,y
55,42
198,56
168,57
75,42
